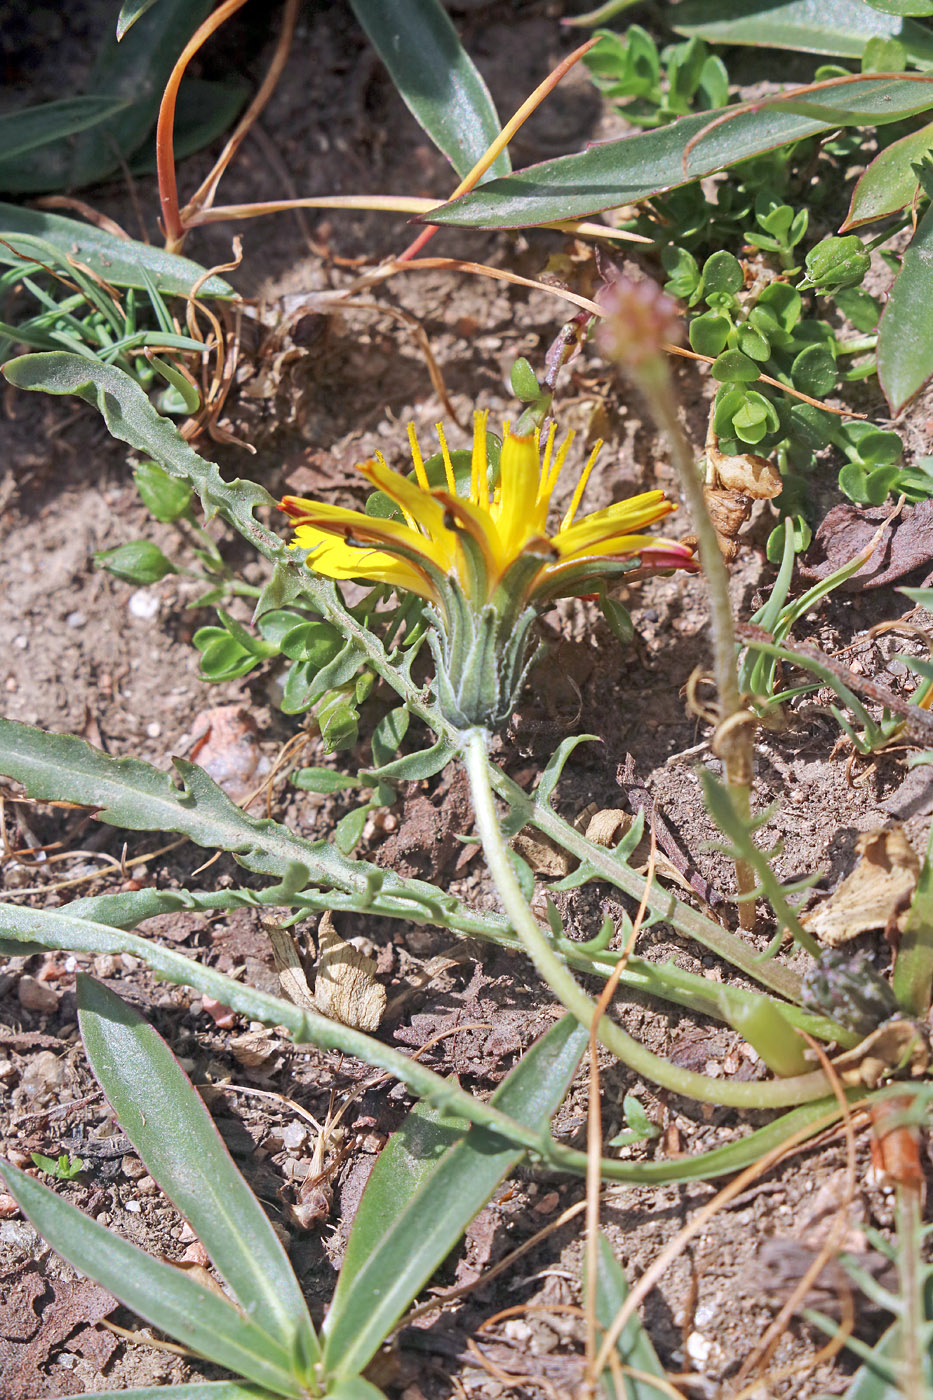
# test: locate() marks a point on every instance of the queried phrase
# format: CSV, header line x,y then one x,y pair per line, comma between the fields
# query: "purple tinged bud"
x,y
640,319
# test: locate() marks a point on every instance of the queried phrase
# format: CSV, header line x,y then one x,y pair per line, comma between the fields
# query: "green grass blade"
x,y
167,1123
633,168
436,78
117,260
634,1344
412,1219
168,1298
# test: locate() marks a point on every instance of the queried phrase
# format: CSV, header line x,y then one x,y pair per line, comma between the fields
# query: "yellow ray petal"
x,y
334,558
518,512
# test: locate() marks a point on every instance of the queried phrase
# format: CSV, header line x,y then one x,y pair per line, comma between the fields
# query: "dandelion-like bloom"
x,y
483,559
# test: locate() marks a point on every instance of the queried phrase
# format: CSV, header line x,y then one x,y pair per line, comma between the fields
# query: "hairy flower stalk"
x,y
639,321
478,551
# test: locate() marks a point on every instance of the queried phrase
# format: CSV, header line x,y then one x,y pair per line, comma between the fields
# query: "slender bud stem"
x,y
639,320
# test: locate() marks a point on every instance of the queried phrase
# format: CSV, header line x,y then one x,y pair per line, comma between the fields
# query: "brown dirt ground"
x,y
82,652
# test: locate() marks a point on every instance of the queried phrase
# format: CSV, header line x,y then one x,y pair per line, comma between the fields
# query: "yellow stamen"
x,y
479,467
581,487
448,464
559,462
545,465
416,458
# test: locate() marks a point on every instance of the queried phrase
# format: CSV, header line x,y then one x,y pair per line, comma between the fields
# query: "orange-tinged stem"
x,y
502,140
172,224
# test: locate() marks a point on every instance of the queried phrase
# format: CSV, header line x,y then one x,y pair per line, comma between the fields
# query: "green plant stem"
x,y
914,1369
734,739
774,1094
913,962
29,930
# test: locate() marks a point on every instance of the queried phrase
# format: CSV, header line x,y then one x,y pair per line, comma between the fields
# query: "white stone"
x,y
143,604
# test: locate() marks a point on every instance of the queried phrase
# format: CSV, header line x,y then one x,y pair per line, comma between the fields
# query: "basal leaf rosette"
x,y
483,559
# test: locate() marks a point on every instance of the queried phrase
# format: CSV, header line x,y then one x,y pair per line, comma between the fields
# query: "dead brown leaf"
x,y
746,473
38,1314
897,1045
345,987
876,894
906,544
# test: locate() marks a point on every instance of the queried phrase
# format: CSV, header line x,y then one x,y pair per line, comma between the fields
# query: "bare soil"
x,y
83,653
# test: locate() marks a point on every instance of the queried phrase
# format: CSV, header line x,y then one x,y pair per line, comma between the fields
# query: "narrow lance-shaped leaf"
x,y
890,182
837,28
137,67
167,1297
118,260
635,167
634,1345
436,78
905,333
50,121
172,1131
399,1240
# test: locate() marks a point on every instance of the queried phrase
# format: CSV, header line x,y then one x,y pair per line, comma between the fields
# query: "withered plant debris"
x,y
40,1316
906,544
875,895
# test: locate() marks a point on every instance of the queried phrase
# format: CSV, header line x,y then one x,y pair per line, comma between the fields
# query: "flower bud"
x,y
141,561
639,320
836,263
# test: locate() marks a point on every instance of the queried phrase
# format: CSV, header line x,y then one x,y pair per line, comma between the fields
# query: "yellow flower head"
x,y
484,561
477,538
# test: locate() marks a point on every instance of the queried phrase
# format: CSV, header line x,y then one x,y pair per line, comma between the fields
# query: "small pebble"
x,y
76,619
36,996
146,1186
21,642
698,1348
134,1207
8,1207
196,1254
143,604
154,729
